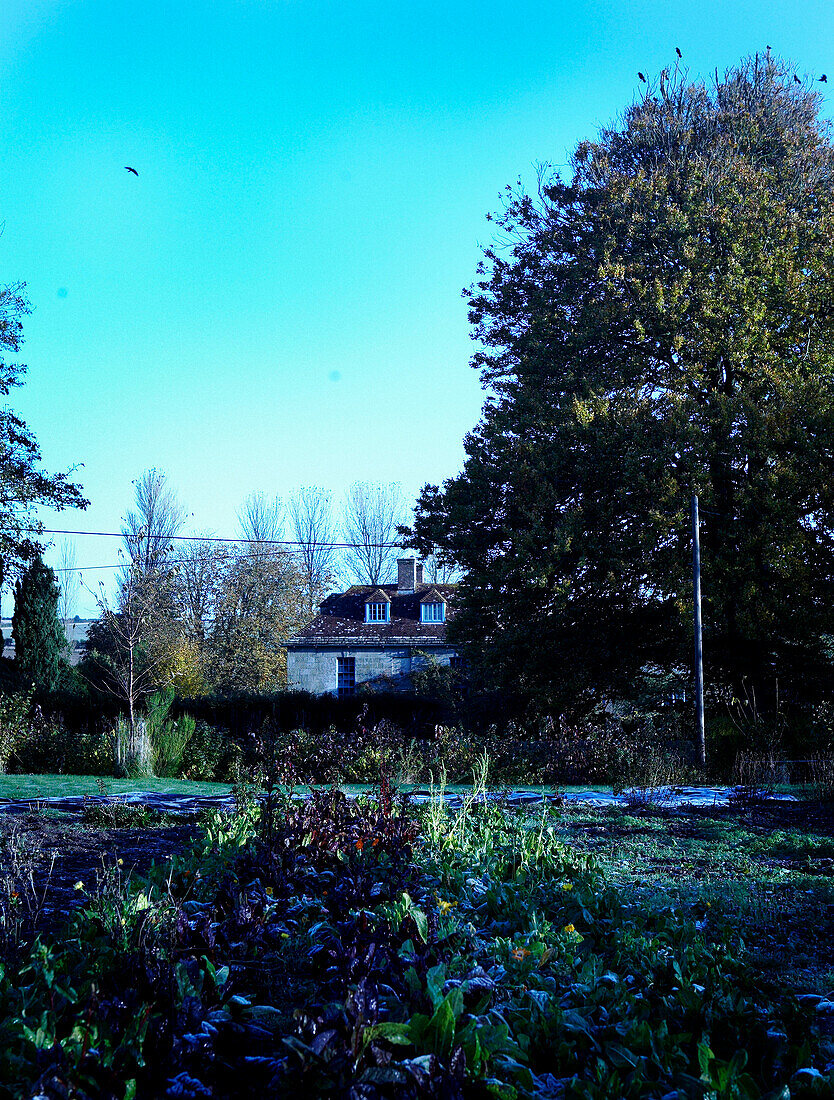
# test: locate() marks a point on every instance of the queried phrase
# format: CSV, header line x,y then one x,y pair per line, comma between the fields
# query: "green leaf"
x,y
705,1056
422,922
391,1031
435,980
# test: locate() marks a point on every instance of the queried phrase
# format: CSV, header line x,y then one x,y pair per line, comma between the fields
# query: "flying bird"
x,y
823,79
129,169
643,78
677,51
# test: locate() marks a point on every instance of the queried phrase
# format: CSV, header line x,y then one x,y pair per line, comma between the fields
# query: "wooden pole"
x,y
699,653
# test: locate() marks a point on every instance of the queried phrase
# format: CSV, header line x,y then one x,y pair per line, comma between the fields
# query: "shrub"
x,y
756,774
14,724
49,747
822,776
210,754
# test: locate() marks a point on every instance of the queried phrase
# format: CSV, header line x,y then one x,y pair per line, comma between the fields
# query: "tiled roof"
x,y
342,618
377,595
432,595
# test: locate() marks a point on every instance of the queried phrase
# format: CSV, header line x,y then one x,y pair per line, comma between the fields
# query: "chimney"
x,y
406,574
419,572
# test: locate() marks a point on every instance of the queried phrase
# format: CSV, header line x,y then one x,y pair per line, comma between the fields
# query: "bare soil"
x,y
60,851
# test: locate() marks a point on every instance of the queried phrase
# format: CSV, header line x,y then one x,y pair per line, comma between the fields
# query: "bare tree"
x,y
436,571
310,512
372,513
158,516
121,642
70,579
261,518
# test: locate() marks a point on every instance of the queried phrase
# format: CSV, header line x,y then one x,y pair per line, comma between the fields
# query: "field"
x,y
365,948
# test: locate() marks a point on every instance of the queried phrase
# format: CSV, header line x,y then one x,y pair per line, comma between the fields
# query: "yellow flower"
x,y
270,892
120,862
520,953
567,885
79,885
445,906
569,928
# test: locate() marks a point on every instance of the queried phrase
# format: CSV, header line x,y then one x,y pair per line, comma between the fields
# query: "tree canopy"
x,y
23,483
658,325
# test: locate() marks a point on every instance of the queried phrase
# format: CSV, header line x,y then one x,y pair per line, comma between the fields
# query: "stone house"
x,y
373,636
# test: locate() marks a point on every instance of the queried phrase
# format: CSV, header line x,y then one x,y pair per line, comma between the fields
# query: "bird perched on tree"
x,y
643,78
129,169
796,79
677,51
823,79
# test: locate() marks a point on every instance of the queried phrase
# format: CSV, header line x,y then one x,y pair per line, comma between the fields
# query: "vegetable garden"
x,y
368,948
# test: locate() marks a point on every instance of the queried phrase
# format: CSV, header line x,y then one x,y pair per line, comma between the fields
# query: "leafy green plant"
x,y
327,946
14,724
210,754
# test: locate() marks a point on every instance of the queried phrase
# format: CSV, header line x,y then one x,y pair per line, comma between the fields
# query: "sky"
x,y
275,299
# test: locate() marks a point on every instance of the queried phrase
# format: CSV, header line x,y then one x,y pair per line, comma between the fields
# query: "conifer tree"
x,y
40,643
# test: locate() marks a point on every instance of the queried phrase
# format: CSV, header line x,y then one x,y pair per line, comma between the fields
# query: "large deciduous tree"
x,y
259,603
659,325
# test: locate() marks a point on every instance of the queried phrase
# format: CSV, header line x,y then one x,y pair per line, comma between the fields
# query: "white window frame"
x,y
383,605
432,617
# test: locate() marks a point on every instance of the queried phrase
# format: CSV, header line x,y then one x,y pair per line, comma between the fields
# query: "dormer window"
x,y
434,612
377,606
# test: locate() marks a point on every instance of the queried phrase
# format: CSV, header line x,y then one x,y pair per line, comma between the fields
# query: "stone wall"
x,y
313,668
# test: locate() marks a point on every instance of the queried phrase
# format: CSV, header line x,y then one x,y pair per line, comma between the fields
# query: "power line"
x,y
118,565
223,539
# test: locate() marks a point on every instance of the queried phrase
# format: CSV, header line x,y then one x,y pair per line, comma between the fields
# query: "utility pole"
x,y
699,652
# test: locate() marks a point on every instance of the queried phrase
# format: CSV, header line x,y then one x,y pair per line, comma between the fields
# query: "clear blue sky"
x,y
275,299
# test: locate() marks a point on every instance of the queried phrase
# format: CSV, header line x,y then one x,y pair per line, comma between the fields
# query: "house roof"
x,y
342,618
377,595
432,595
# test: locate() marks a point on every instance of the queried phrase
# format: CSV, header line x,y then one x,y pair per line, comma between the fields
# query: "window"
x,y
345,676
376,612
433,612
457,663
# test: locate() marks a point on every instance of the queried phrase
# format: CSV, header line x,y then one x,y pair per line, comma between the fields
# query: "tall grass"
x,y
132,751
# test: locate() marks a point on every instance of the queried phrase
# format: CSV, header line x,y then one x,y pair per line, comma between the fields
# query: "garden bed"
x,y
360,948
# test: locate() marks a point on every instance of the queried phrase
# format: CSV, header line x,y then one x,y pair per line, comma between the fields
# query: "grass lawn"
x,y
59,786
